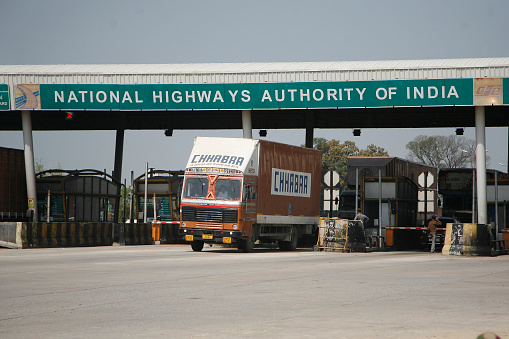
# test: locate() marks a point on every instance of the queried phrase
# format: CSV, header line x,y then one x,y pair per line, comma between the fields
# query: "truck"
x,y
13,191
406,201
241,191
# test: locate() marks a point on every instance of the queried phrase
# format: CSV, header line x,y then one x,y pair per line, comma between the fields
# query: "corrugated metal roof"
x,y
275,67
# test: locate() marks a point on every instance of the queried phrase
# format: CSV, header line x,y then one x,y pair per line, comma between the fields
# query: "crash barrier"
x,y
467,240
135,234
58,234
341,235
167,231
8,234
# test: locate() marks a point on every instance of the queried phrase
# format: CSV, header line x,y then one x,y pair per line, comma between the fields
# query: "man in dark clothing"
x,y
432,229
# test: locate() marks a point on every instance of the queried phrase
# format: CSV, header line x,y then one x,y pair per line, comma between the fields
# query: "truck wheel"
x,y
197,245
292,244
248,244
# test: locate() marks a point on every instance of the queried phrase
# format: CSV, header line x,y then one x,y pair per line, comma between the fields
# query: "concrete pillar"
x,y
119,153
247,126
310,124
480,139
26,119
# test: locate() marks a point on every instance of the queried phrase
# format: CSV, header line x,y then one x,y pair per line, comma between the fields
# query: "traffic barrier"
x,y
61,234
467,240
138,234
341,235
9,234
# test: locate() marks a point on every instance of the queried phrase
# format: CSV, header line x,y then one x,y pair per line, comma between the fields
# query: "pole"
x,y
330,196
26,119
48,206
473,196
131,196
379,202
356,189
154,206
247,127
425,197
480,138
146,193
496,206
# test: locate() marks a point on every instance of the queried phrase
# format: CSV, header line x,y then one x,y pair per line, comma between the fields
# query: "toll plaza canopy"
x,y
363,94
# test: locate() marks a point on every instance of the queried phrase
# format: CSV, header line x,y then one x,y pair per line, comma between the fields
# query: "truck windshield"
x,y
196,188
228,189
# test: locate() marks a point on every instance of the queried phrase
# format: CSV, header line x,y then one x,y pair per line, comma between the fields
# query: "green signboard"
x,y
4,97
349,94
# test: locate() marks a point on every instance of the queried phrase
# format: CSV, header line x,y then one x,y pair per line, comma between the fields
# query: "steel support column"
x,y
310,124
480,139
247,126
26,119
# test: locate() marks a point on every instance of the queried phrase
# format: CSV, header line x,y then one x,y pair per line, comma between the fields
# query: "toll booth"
x,y
77,196
163,201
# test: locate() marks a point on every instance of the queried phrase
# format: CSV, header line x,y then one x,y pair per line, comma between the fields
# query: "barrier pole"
x,y
48,206
146,190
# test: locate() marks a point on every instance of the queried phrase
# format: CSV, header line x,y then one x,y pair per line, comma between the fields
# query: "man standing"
x,y
362,217
432,229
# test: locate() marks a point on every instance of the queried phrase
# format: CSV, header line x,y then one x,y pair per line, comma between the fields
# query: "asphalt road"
x,y
170,291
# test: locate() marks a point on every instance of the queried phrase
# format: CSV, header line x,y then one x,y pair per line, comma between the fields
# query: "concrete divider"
x,y
138,234
9,234
467,240
42,234
62,234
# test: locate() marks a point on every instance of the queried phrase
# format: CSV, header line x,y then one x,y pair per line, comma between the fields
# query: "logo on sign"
x,y
27,96
488,91
290,183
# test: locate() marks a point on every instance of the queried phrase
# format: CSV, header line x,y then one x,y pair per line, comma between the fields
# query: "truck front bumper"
x,y
210,236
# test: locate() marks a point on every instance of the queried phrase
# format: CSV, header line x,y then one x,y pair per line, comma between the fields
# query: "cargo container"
x,y
242,191
13,191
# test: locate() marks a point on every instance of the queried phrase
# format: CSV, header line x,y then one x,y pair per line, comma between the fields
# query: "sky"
x,y
166,32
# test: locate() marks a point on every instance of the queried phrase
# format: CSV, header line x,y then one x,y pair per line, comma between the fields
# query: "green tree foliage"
x,y
335,155
442,151
125,203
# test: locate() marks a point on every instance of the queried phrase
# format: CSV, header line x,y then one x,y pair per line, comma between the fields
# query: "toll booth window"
x,y
228,189
196,188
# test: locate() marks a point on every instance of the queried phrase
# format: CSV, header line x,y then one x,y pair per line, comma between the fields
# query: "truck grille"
x,y
220,215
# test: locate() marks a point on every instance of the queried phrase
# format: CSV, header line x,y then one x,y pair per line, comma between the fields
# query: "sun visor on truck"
x,y
228,153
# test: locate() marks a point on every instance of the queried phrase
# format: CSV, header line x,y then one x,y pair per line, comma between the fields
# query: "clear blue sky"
x,y
148,32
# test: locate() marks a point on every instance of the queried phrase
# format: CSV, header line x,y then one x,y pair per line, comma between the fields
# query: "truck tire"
x,y
292,244
197,245
248,244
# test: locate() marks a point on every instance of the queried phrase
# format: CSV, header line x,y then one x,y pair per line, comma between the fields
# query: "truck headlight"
x,y
235,227
183,224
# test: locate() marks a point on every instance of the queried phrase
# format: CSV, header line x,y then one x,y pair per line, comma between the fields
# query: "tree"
x,y
125,203
442,151
335,155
